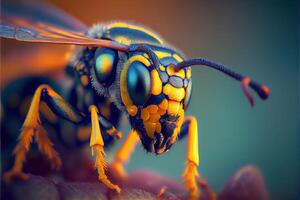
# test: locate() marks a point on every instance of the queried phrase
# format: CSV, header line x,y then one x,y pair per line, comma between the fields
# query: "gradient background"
x,y
257,38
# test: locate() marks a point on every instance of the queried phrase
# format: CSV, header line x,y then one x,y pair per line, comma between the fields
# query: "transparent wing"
x,y
40,10
31,31
25,28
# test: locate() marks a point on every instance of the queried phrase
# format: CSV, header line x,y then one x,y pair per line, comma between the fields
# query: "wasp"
x,y
124,65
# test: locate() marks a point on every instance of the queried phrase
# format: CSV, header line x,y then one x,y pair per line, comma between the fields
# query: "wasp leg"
x,y
191,175
83,133
32,127
110,129
97,147
123,154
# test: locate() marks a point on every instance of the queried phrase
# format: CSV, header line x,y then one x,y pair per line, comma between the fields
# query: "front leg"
x,y
191,172
97,147
123,154
191,175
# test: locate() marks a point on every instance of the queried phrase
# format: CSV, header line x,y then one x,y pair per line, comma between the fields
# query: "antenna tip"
x,y
266,90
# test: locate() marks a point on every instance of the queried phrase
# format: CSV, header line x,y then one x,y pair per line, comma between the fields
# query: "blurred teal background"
x,y
255,38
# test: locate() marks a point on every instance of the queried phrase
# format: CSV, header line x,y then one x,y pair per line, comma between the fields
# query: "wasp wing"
x,y
17,59
25,28
32,31
40,10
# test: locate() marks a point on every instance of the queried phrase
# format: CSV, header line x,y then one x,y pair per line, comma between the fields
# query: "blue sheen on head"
x,y
168,60
138,83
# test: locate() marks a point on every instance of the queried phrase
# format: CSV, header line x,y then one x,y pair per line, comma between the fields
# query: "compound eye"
x,y
138,83
188,94
105,62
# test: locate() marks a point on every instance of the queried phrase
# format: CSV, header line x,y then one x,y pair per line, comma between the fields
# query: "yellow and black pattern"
x,y
158,120
119,68
129,33
158,112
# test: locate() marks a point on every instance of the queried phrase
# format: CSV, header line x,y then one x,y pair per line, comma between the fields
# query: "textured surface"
x,y
245,184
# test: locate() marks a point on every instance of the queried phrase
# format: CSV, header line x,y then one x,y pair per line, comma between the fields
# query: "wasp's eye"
x,y
138,83
105,61
188,94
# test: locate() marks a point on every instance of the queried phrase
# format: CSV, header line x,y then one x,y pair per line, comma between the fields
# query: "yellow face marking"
x,y
139,28
145,114
150,128
164,104
152,109
156,82
154,117
176,94
150,120
152,114
173,108
161,111
177,57
131,108
171,71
